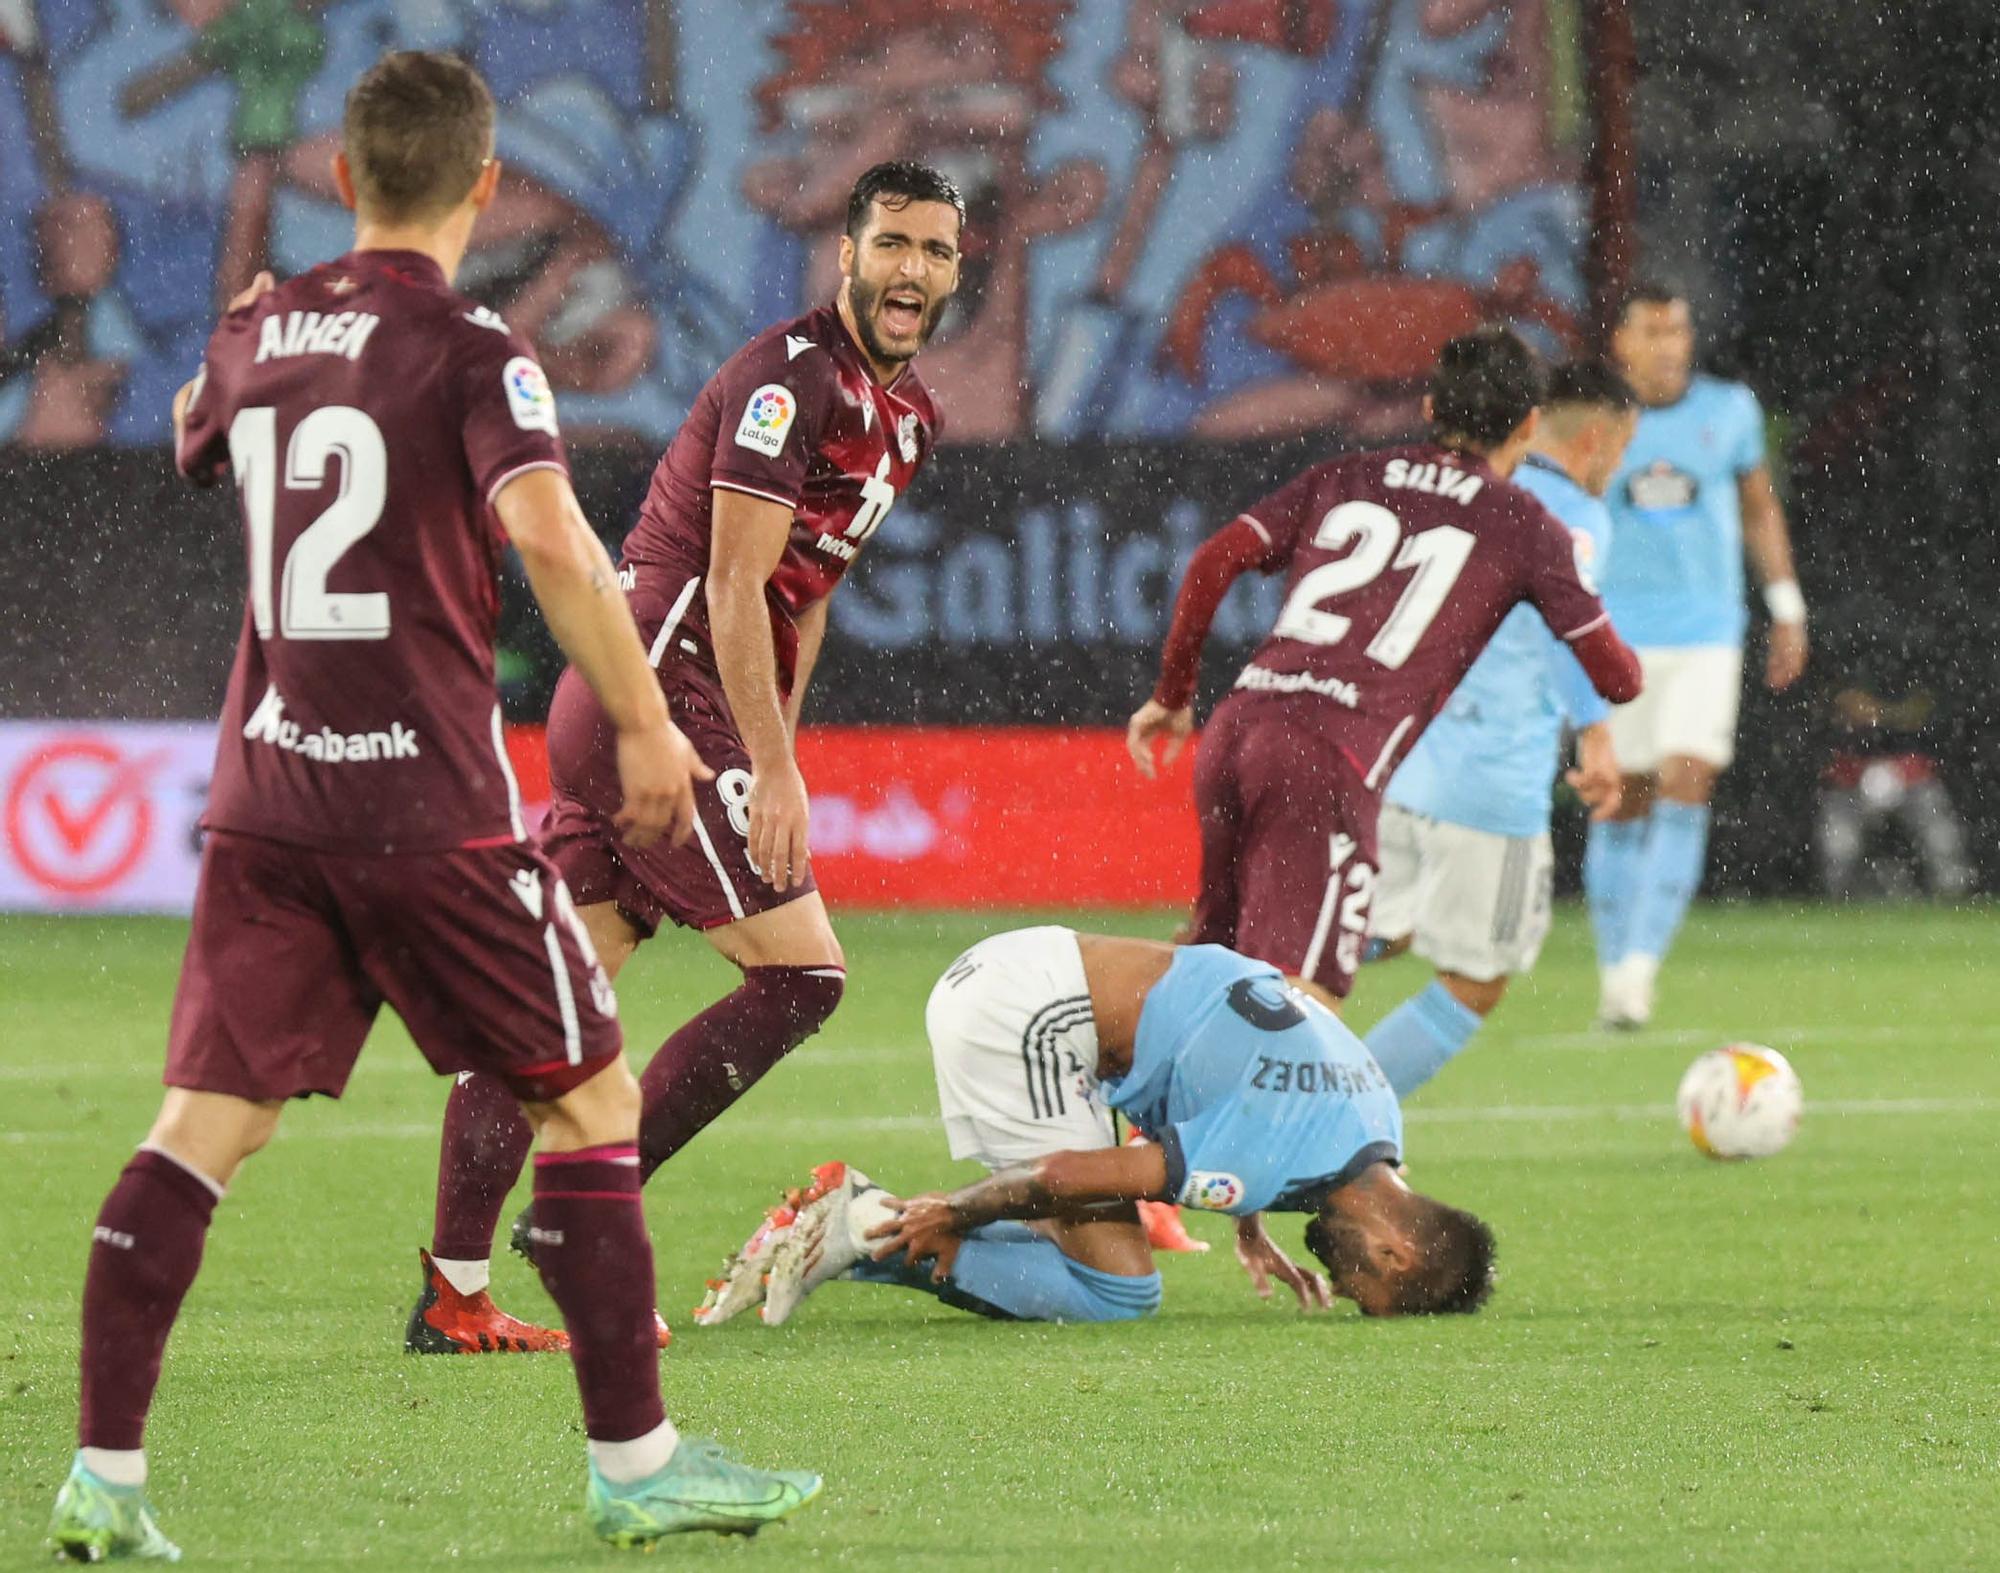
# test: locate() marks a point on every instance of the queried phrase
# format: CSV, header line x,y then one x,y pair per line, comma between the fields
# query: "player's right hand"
x,y
1263,1260
1152,720
779,811
657,772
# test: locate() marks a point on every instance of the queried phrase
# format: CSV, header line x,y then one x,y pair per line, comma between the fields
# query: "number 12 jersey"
x,y
370,415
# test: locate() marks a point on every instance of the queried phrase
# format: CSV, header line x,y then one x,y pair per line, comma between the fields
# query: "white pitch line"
x,y
836,1124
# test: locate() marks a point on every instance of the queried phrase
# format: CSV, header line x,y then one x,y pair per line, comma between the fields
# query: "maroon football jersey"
x,y
1400,565
794,416
370,414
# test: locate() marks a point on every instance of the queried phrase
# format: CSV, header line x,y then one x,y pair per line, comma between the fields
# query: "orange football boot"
x,y
446,1322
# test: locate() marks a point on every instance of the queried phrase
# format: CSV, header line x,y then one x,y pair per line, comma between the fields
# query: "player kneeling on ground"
x,y
1259,1099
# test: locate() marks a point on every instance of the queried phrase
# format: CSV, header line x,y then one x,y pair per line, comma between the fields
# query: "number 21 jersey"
x,y
1400,565
370,415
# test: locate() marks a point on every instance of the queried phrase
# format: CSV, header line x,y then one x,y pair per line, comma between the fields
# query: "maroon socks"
x,y
486,1140
596,1262
721,1054
144,1253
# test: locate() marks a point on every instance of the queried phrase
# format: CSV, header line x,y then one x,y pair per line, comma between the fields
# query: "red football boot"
x,y
446,1322
1164,1229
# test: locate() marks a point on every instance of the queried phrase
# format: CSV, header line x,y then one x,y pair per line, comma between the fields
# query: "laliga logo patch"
x,y
906,438
528,396
1586,556
767,420
1212,1192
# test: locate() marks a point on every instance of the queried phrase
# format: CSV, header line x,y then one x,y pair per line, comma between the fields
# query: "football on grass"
x,y
1740,1101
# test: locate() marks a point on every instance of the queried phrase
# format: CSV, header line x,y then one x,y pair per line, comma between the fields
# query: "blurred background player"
x,y
1400,565
1467,866
1258,1097
1693,494
792,457
365,838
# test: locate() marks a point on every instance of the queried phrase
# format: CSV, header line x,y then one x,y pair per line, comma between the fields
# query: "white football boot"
x,y
829,1236
1625,999
742,1282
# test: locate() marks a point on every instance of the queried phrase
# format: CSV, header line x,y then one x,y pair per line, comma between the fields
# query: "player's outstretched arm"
x,y
1216,565
574,582
1062,1185
748,540
1769,542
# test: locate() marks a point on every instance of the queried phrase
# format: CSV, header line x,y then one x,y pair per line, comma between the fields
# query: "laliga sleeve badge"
x,y
767,420
1585,550
906,437
1211,1191
528,396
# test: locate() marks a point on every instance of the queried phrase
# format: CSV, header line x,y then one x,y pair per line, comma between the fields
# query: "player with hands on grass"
x,y
1258,1099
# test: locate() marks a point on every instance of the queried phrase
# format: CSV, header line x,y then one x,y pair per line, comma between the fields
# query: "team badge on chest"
x,y
906,437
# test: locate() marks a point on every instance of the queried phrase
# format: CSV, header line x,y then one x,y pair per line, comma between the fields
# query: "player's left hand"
x,y
1263,1261
1597,778
1152,720
924,1226
1785,661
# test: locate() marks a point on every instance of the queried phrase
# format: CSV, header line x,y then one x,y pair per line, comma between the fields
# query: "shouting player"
x,y
365,838
1257,1096
793,455
1400,566
1466,860
1694,493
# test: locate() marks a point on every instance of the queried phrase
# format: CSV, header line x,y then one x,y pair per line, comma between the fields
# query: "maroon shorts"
x,y
1287,839
293,952
702,884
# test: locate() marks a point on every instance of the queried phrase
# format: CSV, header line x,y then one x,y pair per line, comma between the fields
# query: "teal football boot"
x,y
96,1521
700,1488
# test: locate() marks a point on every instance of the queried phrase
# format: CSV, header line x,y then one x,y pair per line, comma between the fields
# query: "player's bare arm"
x,y
1169,714
1062,1185
577,589
812,633
750,536
1769,542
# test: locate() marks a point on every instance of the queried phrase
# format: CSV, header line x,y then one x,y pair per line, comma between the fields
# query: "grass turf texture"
x,y
1775,1365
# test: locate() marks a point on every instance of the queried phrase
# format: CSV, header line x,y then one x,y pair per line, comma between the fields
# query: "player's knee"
x,y
1479,995
212,1133
802,998
1635,799
599,1112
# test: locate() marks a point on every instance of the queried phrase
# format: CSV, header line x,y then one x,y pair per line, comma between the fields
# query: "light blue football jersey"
x,y
1678,576
1258,1096
1489,759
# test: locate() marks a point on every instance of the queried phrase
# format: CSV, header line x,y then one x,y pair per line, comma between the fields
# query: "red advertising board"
x,y
979,817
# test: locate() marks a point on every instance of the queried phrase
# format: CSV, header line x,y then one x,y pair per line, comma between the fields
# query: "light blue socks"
x,y
1007,1270
1420,1037
1614,860
1676,852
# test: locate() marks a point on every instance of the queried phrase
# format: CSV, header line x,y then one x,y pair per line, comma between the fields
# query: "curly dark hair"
x,y
1455,1275
895,185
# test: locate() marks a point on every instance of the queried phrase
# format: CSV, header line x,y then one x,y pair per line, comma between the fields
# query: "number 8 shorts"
x,y
704,883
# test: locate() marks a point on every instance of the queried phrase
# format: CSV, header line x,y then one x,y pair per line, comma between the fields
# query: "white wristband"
x,y
1785,603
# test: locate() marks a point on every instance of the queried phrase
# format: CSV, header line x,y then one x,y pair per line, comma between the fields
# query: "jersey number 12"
x,y
299,605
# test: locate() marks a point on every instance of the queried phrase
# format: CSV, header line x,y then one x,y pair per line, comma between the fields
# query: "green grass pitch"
x,y
1789,1364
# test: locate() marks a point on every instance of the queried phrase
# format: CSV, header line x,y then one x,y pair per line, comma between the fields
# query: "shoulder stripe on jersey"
x,y
1595,623
493,491
674,615
751,491
1257,525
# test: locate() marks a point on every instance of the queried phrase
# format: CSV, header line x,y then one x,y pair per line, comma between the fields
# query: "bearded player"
x,y
1400,566
794,453
365,842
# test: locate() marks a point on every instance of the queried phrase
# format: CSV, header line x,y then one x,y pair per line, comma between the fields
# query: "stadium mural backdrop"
x,y
1189,218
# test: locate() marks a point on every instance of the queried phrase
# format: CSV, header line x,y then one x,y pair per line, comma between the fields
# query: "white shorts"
x,y
1015,1046
1688,708
1471,902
